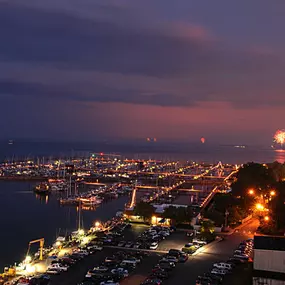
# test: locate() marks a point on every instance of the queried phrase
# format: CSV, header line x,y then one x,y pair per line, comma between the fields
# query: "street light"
x,y
250,191
272,193
259,207
266,218
28,259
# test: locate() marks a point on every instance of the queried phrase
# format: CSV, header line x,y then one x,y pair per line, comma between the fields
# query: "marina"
x,y
69,200
32,216
142,143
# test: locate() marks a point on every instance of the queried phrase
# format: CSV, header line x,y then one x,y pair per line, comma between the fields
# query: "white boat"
x,y
57,185
91,201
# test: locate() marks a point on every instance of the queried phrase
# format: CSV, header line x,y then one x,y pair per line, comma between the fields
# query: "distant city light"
x,y
266,218
272,193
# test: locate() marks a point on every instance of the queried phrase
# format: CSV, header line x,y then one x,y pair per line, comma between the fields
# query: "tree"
x,y
207,229
144,210
217,217
170,213
278,170
223,201
253,175
179,214
207,226
278,207
184,215
235,215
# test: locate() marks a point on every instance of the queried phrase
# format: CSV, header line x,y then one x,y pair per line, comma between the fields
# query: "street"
x,y
201,262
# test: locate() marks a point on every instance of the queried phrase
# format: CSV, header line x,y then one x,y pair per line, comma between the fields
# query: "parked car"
x,y
183,258
175,252
58,266
121,243
170,259
219,271
53,271
94,247
128,244
223,265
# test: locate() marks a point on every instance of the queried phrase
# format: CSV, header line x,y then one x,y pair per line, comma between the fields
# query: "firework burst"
x,y
279,137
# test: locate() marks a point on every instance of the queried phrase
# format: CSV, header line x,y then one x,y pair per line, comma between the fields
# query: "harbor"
x,y
77,194
30,216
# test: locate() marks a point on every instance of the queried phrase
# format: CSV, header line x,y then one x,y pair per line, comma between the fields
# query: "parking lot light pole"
x,y
226,218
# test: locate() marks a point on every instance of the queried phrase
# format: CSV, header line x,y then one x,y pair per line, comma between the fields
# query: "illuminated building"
x,y
269,260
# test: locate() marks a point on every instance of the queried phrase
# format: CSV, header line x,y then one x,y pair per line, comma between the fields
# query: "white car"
x,y
219,271
53,271
241,256
100,268
153,245
58,266
95,247
223,265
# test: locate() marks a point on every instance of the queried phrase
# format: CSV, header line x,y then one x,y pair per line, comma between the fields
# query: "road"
x,y
202,261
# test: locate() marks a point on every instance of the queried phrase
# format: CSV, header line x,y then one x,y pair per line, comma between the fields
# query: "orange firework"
x,y
279,137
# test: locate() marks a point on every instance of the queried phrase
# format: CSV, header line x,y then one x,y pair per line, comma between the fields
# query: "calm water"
x,y
165,151
25,218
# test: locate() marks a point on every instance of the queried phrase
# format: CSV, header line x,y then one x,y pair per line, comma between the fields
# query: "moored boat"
x,y
91,201
42,188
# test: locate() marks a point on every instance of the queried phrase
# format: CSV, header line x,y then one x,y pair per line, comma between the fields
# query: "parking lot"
x,y
76,274
184,272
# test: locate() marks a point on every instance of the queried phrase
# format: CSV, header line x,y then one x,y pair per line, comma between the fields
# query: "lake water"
x,y
25,217
165,151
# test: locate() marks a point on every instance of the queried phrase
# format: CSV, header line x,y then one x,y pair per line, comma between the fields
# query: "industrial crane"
x,y
41,241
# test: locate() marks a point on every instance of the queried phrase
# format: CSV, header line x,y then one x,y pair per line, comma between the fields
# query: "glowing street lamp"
x,y
250,191
28,259
259,207
272,193
266,218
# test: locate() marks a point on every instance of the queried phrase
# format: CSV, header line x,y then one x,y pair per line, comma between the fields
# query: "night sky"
x,y
174,70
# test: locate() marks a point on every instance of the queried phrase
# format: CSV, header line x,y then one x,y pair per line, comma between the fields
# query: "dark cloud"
x,y
102,94
35,35
210,69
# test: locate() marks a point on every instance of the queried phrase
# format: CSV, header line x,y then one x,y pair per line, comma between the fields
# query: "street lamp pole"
x,y
226,218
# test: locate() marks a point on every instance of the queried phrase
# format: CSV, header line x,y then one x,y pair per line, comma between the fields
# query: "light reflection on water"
x,y
280,156
26,216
